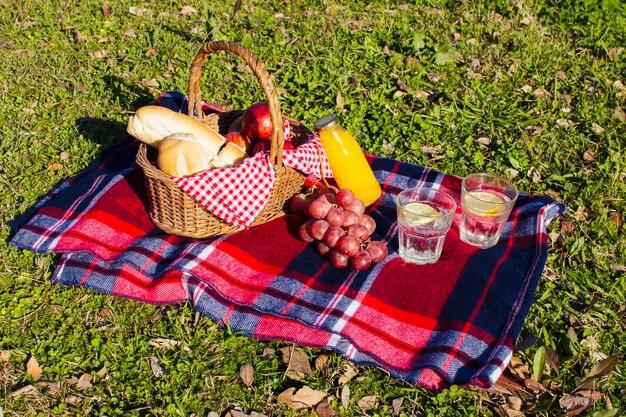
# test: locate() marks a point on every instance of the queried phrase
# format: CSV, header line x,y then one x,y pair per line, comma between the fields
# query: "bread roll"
x,y
152,124
181,154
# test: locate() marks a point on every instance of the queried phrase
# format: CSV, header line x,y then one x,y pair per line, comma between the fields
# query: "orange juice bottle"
x,y
350,168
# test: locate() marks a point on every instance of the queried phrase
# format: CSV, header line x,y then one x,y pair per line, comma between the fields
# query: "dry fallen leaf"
x,y
130,33
367,403
580,213
268,353
396,404
84,382
542,94
596,128
157,370
188,10
574,404
349,372
534,385
534,174
303,398
345,396
339,101
589,156
593,394
297,363
564,123
55,167
103,372
72,400
483,140
33,369
324,409
5,355
246,372
99,54
71,381
321,364
526,89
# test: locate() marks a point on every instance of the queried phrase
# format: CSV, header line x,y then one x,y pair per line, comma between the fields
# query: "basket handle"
x,y
265,80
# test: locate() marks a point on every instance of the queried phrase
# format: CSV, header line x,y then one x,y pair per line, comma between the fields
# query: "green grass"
x,y
541,79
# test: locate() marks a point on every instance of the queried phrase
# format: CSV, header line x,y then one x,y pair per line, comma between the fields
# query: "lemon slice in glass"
x,y
422,213
485,203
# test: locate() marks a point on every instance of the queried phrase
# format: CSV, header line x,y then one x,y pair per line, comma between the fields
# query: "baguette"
x,y
230,154
152,124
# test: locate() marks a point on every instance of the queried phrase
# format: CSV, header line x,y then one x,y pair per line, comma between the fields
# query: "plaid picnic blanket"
x,y
453,322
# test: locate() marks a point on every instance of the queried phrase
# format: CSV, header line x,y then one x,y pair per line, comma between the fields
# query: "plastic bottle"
x,y
347,161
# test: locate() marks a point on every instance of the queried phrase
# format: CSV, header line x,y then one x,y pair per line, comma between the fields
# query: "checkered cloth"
x,y
453,322
237,194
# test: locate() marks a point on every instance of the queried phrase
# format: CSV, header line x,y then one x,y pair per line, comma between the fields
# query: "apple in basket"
x,y
238,138
257,122
264,145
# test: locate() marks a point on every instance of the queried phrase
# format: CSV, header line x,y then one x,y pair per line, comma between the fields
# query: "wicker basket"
x,y
174,211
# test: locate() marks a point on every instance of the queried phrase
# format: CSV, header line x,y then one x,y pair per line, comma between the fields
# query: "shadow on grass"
x,y
106,134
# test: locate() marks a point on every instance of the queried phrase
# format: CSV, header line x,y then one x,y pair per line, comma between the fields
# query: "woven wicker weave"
x,y
174,211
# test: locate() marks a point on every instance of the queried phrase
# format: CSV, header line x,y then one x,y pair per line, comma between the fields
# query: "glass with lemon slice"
x,y
487,201
424,218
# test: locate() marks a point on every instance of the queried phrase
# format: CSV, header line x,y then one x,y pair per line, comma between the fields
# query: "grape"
x,y
332,235
335,216
350,218
338,259
357,206
327,190
369,223
318,228
318,209
323,248
328,197
361,261
348,245
303,231
377,250
298,203
358,231
345,197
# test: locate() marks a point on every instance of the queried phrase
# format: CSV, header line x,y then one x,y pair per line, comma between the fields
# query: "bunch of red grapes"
x,y
338,226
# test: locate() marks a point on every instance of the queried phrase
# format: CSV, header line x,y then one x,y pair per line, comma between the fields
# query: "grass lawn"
x,y
534,90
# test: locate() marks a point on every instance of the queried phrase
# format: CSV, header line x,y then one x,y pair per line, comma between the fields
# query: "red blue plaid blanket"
x,y
453,322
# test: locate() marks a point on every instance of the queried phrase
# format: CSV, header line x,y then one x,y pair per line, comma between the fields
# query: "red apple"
x,y
256,122
239,139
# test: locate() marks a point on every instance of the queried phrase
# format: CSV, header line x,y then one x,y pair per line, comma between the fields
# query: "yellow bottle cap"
x,y
327,122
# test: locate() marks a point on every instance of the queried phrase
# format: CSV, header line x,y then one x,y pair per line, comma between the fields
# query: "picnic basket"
x,y
174,211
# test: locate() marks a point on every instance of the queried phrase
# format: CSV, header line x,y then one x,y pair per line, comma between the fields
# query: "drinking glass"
x,y
424,218
486,202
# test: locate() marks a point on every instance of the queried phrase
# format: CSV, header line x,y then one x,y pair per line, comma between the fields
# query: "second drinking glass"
x,y
424,218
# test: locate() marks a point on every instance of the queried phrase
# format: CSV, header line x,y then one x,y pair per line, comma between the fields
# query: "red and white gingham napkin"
x,y
237,194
